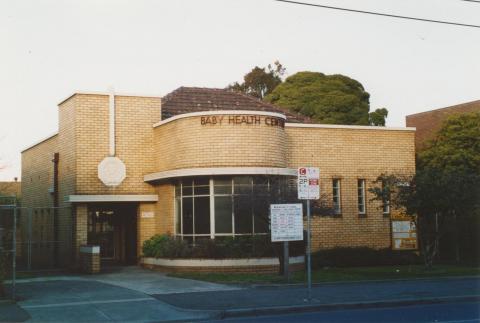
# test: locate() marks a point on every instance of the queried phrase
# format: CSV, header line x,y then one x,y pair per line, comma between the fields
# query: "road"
x,y
447,312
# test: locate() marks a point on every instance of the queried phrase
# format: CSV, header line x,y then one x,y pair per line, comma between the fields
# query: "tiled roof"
x,y
195,99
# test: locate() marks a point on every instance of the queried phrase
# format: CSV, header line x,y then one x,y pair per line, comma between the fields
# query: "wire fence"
x,y
32,239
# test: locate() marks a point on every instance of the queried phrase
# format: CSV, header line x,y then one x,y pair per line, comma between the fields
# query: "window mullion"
x,y
212,210
181,208
232,197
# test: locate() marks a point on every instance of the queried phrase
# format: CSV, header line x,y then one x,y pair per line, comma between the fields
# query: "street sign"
x,y
308,187
287,222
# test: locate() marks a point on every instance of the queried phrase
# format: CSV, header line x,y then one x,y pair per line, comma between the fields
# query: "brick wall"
x,y
134,117
349,155
37,173
186,143
429,122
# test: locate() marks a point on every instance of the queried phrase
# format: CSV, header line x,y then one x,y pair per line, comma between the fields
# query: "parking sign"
x,y
308,187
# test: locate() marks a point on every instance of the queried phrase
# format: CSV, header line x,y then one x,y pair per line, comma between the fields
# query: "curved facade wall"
x,y
221,140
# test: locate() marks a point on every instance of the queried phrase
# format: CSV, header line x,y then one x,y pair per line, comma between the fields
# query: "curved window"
x,y
227,206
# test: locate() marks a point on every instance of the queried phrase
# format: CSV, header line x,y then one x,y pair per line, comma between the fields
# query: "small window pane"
x,y
187,190
243,214
202,190
242,180
223,214
261,214
202,181
222,186
187,215
336,196
361,196
202,215
178,215
177,189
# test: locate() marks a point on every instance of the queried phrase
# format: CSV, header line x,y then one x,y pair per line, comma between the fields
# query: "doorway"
x,y
113,227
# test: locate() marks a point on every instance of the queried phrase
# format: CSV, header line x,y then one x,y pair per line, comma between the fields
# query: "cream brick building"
x,y
201,163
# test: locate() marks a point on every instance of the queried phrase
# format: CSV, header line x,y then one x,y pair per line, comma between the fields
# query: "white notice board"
x,y
286,222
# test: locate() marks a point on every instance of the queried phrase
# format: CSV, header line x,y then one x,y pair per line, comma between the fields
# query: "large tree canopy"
x,y
334,99
456,146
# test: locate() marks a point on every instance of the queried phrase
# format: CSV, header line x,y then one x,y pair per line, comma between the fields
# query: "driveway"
x,y
122,295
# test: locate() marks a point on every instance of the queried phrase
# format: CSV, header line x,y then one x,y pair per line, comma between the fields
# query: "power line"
x,y
477,1
381,14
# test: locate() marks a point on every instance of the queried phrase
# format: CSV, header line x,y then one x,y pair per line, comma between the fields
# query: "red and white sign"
x,y
308,180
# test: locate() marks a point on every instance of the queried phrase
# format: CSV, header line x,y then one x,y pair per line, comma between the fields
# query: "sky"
x,y
50,49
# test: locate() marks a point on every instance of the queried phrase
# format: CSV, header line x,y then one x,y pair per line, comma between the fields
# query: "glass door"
x,y
101,228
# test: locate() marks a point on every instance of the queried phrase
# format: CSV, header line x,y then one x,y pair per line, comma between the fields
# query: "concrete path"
x,y
92,301
120,295
152,282
141,280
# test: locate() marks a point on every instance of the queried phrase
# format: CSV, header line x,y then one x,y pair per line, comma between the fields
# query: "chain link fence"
x,y
32,239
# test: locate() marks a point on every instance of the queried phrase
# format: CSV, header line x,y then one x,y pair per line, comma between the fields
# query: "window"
x,y
385,199
225,206
337,206
192,201
361,196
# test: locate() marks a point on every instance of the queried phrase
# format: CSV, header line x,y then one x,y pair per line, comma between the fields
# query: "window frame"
x,y
178,190
337,194
361,196
385,201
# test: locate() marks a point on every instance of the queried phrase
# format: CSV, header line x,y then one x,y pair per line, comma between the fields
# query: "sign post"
x,y
287,225
308,189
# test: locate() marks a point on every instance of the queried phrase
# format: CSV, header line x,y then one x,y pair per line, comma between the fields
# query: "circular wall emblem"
x,y
112,171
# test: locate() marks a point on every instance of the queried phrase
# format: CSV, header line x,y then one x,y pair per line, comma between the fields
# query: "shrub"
x,y
362,256
165,246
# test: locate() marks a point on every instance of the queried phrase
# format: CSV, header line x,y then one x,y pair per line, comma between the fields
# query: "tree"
x,y
334,99
377,117
260,81
445,186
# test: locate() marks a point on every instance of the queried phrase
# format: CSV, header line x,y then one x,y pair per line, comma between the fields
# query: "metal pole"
x,y
285,261
309,258
14,251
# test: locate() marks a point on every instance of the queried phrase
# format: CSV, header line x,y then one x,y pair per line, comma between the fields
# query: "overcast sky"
x,y
50,49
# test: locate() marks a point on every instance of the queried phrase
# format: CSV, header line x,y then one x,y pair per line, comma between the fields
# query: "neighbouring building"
x,y
198,163
428,123
13,188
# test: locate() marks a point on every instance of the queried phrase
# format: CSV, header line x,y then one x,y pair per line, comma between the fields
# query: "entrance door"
x,y
113,227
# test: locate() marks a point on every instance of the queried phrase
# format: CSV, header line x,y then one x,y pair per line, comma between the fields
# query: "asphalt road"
x,y
447,312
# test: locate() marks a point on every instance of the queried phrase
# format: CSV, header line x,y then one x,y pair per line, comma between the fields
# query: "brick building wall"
x,y
186,143
134,117
428,123
349,154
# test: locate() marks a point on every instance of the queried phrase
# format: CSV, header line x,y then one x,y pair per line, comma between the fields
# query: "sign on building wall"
x,y
148,214
404,233
308,183
286,222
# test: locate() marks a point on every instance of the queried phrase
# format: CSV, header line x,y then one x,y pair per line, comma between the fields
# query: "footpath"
x,y
135,294
265,300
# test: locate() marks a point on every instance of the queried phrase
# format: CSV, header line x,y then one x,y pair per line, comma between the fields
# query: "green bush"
x,y
165,246
363,256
